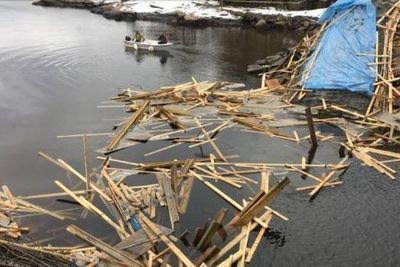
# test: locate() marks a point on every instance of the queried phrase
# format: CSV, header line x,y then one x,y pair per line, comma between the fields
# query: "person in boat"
x,y
137,37
162,39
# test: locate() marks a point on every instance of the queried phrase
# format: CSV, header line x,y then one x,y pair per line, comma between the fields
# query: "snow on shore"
x,y
207,9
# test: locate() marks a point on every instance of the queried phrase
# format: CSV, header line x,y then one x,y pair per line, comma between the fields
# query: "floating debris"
x,y
193,115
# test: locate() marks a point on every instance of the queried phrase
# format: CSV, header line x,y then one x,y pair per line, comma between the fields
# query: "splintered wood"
x,y
143,203
133,210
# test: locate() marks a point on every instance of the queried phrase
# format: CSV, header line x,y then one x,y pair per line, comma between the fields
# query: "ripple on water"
x,y
348,224
58,63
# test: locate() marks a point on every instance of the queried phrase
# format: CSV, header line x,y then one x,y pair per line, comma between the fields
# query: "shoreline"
x,y
195,14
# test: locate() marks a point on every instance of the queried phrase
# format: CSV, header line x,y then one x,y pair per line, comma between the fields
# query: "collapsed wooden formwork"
x,y
193,115
291,68
386,83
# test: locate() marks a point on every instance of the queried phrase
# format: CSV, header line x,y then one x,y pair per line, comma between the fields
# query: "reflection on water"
x,y
140,54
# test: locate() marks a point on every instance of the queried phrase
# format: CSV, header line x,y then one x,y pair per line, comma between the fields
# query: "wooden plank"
x,y
184,194
209,253
168,164
211,230
243,244
27,204
69,168
173,120
236,240
128,124
102,246
305,173
325,180
86,204
174,178
78,192
258,203
9,196
265,181
167,241
170,198
85,162
219,177
217,150
112,185
222,194
162,149
328,184
47,157
270,131
382,152
257,240
186,166
303,163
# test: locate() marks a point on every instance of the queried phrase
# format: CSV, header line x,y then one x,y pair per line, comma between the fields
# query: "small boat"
x,y
150,45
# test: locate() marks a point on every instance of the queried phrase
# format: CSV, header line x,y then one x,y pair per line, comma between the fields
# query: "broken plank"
x,y
102,246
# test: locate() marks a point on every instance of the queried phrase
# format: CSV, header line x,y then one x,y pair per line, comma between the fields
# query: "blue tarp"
x,y
342,58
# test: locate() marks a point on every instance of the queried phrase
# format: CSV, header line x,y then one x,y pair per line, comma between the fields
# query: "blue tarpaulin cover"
x,y
340,59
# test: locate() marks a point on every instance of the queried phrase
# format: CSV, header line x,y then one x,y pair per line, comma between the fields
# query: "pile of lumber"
x,y
287,68
193,116
387,63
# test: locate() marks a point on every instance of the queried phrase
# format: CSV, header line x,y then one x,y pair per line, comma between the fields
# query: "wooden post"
x,y
311,129
85,161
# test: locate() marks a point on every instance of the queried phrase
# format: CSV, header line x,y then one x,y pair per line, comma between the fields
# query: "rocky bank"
x,y
229,17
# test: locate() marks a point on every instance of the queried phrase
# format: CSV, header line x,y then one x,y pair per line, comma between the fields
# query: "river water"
x,y
57,65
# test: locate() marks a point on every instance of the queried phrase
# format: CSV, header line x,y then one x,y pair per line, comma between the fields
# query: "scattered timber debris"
x,y
193,115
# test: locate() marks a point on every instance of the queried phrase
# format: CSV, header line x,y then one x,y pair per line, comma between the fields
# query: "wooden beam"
x,y
259,202
117,254
181,256
128,124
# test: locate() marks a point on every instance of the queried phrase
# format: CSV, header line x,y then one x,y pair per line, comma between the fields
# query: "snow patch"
x,y
208,9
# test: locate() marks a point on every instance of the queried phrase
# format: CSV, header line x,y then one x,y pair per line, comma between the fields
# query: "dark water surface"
x,y
57,65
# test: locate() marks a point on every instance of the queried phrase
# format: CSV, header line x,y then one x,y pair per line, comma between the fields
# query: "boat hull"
x,y
150,45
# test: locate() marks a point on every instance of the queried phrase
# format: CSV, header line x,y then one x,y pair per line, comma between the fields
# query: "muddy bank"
x,y
119,12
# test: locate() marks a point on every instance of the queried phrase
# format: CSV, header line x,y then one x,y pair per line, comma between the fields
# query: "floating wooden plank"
x,y
102,246
167,241
258,203
69,168
185,168
236,240
173,120
174,178
257,241
9,196
86,204
209,253
265,181
184,194
21,202
262,128
243,244
211,230
165,184
217,150
128,124
85,164
223,195
315,191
